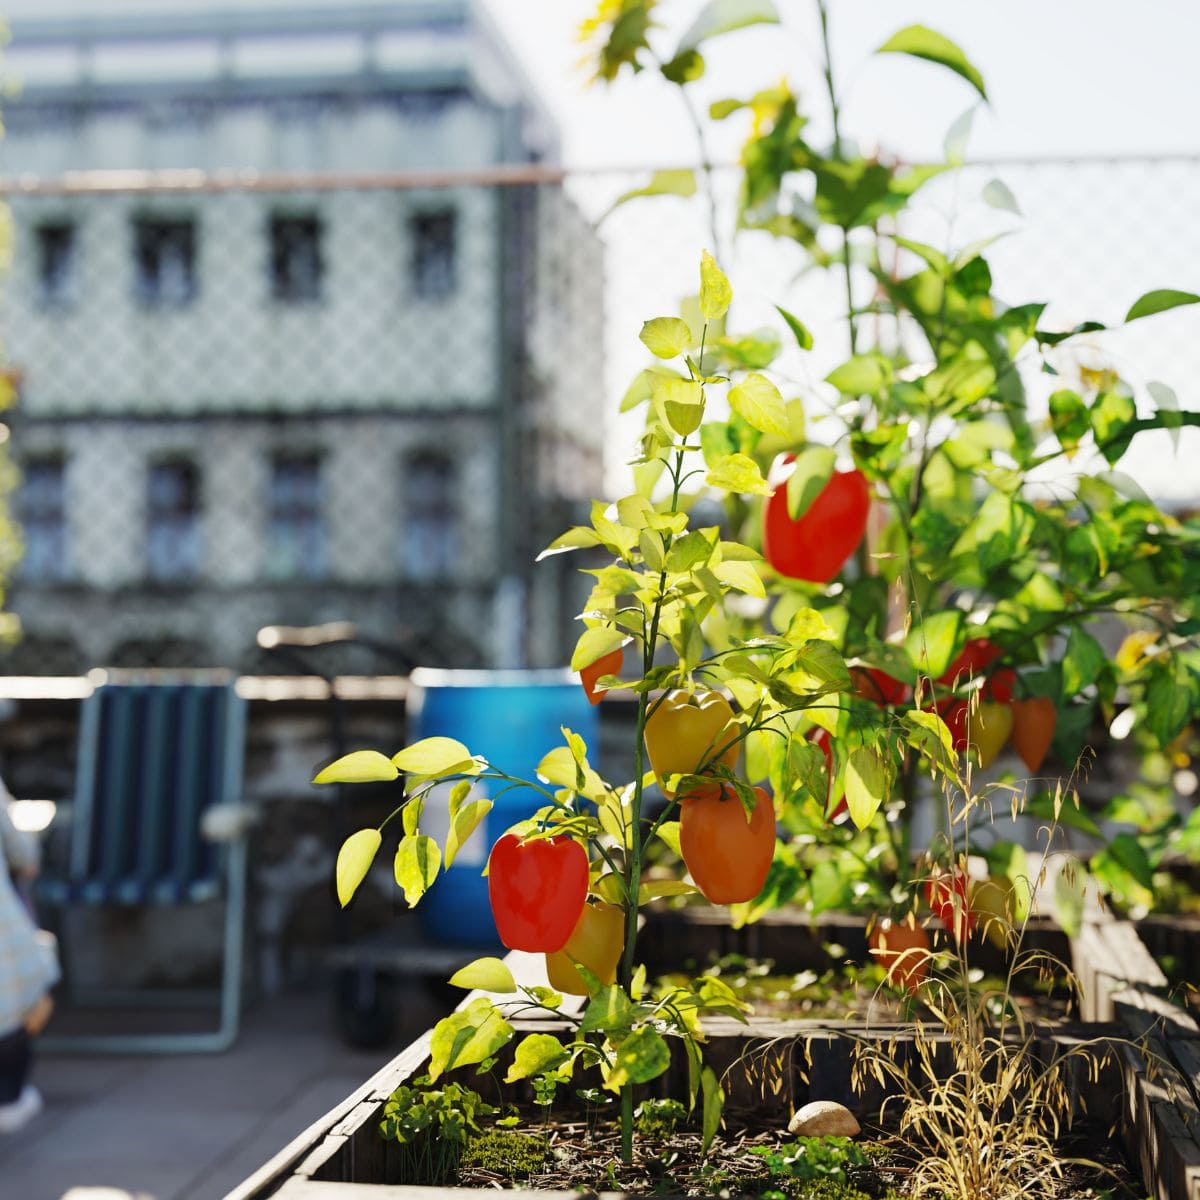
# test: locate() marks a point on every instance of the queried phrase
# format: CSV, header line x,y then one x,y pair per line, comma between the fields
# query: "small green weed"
x,y
433,1126
812,1158
659,1118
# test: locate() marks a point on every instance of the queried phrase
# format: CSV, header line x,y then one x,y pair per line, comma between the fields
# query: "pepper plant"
x,y
844,669
569,881
1009,556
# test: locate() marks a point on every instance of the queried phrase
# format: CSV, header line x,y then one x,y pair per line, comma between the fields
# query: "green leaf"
x,y
813,469
927,732
465,822
657,889
642,1056
662,183
715,292
536,1054
418,861
742,577
932,643
800,332
868,784
1168,700
666,337
723,16
864,374
1082,662
958,135
689,551
738,473
922,42
488,974
713,1106
686,67
1129,855
594,644
1159,300
998,194
467,1037
579,538
434,756
1069,886
1167,405
354,861
998,534
360,766
1047,807
609,1011
1113,416
1069,419
758,402
819,666
682,403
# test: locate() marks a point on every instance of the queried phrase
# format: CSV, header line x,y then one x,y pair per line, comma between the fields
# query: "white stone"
x,y
824,1118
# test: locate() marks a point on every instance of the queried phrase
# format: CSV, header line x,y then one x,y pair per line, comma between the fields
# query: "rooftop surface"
x,y
191,1127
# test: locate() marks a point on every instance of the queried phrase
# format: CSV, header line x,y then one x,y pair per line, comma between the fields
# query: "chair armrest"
x,y
227,822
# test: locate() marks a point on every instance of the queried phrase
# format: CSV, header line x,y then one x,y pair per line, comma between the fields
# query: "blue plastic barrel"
x,y
511,718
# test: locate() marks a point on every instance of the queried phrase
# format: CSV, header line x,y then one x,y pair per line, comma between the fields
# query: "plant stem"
x,y
633,857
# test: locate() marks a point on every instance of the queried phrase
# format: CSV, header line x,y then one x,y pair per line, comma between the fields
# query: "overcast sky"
x,y
1065,76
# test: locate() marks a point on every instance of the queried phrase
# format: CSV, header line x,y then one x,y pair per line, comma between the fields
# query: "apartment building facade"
x,y
305,328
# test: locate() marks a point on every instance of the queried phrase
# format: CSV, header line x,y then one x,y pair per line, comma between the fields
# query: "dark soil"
x,y
853,992
585,1156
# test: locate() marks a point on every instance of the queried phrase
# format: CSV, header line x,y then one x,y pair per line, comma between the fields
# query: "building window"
x,y
296,266
434,248
173,523
429,535
56,264
165,261
296,536
42,511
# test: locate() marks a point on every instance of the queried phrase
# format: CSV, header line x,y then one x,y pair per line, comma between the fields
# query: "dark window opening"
x,y
296,534
56,264
42,512
429,537
165,261
434,250
296,264
173,523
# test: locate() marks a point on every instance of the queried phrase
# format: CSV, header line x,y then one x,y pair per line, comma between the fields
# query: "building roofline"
x,y
275,21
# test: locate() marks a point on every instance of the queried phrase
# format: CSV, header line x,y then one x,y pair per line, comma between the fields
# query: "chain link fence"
x,y
288,401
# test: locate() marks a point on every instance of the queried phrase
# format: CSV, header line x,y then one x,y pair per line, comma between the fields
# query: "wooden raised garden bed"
x,y
1153,1101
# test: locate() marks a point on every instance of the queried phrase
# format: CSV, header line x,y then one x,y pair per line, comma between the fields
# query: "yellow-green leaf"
x,y
666,337
868,784
759,403
488,974
682,404
434,756
536,1054
467,1037
466,821
922,42
742,577
418,861
738,473
354,861
594,644
360,766
715,292
656,889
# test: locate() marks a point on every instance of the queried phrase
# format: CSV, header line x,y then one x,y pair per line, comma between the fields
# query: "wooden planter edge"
x,y
1121,981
